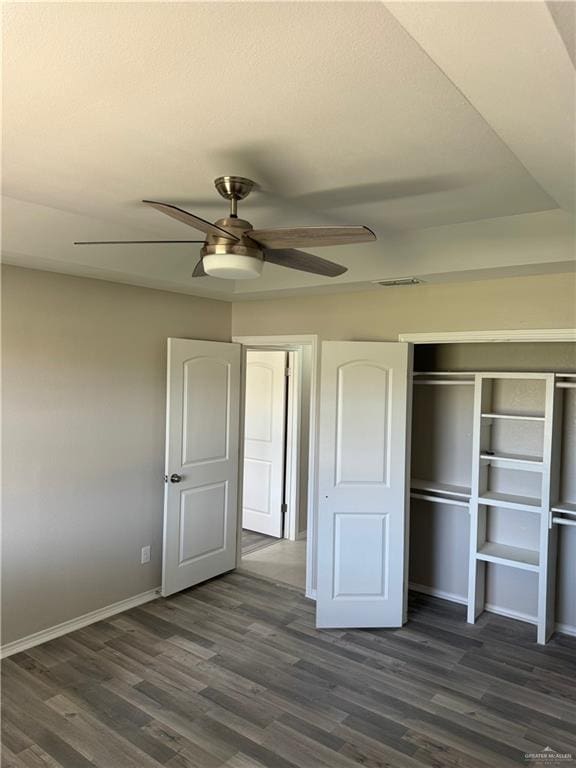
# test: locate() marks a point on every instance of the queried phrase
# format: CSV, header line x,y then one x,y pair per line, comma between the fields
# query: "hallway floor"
x,y
284,561
252,541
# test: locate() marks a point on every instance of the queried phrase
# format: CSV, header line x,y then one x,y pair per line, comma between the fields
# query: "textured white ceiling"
x,y
434,114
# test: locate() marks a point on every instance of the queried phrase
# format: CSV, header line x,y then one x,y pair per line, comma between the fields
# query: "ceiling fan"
x,y
234,250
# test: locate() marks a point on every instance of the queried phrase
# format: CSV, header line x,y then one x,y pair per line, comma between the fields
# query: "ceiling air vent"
x,y
399,281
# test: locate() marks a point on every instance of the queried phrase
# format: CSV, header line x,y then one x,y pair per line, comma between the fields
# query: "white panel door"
x,y
362,482
202,433
264,436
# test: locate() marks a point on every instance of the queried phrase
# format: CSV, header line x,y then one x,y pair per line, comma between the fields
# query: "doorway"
x,y
275,462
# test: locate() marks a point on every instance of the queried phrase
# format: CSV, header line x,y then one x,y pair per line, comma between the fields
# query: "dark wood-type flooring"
x,y
233,673
252,541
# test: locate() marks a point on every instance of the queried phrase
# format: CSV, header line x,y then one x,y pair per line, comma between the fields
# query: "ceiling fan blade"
x,y
133,242
305,262
313,237
192,221
199,270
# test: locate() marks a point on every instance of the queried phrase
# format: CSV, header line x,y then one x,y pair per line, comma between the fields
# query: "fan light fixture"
x,y
232,266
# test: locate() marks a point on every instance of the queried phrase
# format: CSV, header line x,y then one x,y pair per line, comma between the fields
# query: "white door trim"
x,y
479,337
295,343
292,458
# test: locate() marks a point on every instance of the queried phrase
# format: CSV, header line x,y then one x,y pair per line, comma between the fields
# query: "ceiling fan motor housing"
x,y
231,259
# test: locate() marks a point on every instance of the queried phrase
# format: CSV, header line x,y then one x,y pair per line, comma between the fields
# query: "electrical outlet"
x,y
145,555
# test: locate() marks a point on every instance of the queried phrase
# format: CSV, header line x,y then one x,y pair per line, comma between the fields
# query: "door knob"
x,y
175,478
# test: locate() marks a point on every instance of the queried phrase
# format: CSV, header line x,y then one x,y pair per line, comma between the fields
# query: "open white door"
x,y
202,432
362,484
264,430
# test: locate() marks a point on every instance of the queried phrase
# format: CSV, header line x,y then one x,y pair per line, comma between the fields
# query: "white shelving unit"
x,y
500,447
511,474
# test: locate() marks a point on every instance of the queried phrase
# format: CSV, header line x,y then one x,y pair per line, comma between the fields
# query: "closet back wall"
x,y
84,372
559,357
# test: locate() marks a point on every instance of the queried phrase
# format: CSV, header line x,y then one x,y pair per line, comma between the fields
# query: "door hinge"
x,y
288,372
284,509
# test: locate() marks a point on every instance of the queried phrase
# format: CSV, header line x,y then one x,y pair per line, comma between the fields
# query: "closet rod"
x,y
563,521
440,499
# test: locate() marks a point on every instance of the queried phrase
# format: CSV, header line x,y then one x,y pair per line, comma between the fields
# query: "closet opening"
x,y
493,479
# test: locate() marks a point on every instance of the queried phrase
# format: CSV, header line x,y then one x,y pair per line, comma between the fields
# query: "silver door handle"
x,y
175,478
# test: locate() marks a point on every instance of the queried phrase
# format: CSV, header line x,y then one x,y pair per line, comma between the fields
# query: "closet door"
x,y
363,488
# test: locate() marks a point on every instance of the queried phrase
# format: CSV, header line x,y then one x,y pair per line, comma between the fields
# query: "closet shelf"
x,y
531,462
453,382
565,508
509,501
447,489
503,554
514,416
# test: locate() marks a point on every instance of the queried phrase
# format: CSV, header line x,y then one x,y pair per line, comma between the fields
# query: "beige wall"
x,y
83,431
544,301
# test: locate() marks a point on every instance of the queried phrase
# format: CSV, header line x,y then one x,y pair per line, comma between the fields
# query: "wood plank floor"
x,y
233,673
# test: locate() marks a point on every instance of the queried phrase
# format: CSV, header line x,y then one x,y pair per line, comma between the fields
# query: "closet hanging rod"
x,y
566,384
563,521
439,499
514,416
443,489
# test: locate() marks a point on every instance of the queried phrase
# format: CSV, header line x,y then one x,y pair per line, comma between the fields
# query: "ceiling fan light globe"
x,y
232,266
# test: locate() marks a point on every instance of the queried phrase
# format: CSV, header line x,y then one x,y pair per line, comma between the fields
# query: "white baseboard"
x,y
452,596
510,614
73,624
566,629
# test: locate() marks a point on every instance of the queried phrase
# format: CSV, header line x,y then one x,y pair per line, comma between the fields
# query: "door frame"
x,y
295,344
497,336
